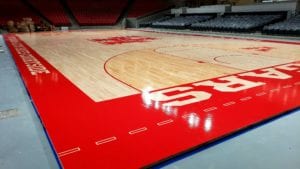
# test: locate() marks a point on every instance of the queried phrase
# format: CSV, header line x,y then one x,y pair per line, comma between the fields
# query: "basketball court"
x,y
143,97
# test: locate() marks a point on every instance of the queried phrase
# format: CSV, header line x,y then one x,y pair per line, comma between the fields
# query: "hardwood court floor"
x,y
130,99
164,61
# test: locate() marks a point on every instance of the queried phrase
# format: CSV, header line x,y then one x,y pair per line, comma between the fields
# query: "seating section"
x,y
181,22
142,7
149,23
15,10
52,10
290,26
97,12
237,22
102,12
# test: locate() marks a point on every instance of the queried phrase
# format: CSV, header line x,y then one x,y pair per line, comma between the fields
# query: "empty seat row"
x,y
15,10
52,10
290,26
95,12
237,22
181,21
149,23
86,12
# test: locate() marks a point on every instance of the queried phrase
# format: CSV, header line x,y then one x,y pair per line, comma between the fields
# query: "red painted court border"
x,y
64,95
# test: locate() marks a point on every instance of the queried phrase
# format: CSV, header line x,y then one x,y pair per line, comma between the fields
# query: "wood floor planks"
x,y
110,71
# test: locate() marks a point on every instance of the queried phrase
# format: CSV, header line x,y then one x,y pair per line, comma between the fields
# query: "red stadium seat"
x,y
15,10
95,12
52,10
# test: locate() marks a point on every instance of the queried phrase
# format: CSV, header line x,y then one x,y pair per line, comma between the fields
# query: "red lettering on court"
x,y
123,39
260,49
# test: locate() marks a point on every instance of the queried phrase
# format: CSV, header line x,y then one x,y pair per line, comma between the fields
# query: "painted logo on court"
x,y
260,49
123,39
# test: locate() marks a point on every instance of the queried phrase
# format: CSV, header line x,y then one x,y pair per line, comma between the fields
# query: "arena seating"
x,y
149,23
52,10
290,26
142,7
96,12
15,10
237,22
181,22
